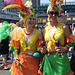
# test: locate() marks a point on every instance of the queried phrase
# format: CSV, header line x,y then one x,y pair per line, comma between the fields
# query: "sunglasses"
x,y
52,12
31,19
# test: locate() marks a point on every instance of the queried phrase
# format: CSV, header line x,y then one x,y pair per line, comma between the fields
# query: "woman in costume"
x,y
55,61
25,42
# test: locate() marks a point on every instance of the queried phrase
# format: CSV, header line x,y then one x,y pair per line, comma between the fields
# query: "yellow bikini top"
x,y
58,35
32,42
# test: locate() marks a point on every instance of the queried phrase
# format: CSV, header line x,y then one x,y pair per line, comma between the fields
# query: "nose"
x,y
32,19
53,14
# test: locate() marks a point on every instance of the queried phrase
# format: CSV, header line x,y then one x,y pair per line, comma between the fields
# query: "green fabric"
x,y
55,7
55,65
11,48
5,30
71,43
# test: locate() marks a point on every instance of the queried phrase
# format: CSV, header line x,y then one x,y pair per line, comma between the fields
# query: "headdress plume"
x,y
56,4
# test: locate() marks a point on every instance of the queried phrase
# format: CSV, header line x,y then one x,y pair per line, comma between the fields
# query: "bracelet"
x,y
66,48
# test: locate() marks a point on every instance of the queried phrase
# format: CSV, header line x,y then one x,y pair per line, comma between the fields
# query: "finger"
x,y
58,50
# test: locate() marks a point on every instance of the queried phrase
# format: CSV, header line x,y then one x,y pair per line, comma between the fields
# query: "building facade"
x,y
9,14
36,3
68,12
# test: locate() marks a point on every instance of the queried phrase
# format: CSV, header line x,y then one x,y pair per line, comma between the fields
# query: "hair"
x,y
18,24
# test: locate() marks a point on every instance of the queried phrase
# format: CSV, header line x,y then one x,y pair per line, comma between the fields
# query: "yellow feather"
x,y
12,6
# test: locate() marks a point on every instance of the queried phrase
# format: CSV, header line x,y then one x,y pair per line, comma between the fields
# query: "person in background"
x,y
4,50
20,23
25,42
55,61
4,41
72,50
73,29
62,19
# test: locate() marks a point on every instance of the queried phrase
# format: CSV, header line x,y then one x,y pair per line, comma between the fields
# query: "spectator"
x,y
4,40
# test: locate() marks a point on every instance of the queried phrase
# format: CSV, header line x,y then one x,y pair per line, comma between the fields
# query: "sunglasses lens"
x,y
51,12
56,13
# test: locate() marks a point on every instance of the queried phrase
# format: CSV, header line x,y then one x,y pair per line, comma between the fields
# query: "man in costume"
x,y
56,36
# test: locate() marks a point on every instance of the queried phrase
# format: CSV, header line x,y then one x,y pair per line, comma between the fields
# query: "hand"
x,y
60,49
43,50
70,49
17,61
0,67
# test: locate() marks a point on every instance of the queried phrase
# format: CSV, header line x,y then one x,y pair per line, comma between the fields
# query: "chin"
x,y
52,20
31,25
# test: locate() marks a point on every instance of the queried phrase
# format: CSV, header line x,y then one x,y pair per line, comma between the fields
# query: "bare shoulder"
x,y
66,30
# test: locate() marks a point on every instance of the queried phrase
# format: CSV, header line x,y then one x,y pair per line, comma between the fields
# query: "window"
x,y
73,18
68,19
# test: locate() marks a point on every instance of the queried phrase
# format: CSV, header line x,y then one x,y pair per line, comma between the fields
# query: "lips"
x,y
31,23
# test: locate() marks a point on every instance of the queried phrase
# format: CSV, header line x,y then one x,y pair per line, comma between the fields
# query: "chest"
x,y
27,38
51,31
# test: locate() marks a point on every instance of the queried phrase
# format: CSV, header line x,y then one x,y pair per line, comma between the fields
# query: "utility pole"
x,y
65,2
37,12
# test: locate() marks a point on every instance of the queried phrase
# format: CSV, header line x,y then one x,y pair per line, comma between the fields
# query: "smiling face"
x,y
52,14
30,21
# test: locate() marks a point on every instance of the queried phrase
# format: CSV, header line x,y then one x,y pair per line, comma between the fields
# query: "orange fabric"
x,y
66,48
29,64
16,43
71,73
39,42
60,10
39,72
70,38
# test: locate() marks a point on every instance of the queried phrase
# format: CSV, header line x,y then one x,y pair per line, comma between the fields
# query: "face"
x,y
52,14
30,21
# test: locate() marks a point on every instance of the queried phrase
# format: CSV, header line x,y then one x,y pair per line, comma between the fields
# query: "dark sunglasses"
x,y
31,19
52,12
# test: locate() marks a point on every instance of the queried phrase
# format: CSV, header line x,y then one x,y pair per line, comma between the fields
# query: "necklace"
x,y
28,32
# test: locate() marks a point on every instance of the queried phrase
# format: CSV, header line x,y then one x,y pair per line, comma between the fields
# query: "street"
x,y
4,72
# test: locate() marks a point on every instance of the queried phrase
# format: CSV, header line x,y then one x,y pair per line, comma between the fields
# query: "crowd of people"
x,y
39,52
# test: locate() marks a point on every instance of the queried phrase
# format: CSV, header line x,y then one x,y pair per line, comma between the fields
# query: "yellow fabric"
x,y
32,42
12,6
11,71
58,35
18,35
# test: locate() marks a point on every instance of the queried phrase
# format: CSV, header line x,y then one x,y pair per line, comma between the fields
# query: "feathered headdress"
x,y
25,9
55,4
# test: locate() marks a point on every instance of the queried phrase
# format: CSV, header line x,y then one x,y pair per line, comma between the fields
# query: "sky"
x,y
47,1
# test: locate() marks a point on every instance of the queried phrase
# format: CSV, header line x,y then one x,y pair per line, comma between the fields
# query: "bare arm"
x,y
66,31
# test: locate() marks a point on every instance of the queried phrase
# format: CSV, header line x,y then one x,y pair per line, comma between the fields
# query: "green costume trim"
x,y
55,7
71,43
